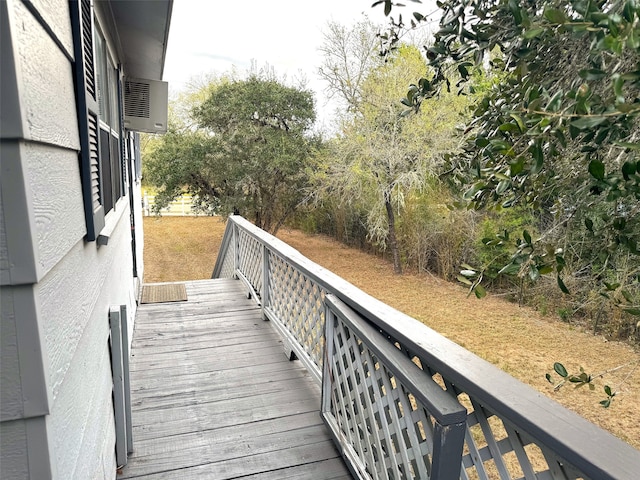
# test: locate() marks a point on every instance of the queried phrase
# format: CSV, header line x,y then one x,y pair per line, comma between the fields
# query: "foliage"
x,y
348,55
381,156
434,237
559,133
244,146
584,378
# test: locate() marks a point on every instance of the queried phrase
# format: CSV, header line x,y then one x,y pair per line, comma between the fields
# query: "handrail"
x,y
382,409
507,423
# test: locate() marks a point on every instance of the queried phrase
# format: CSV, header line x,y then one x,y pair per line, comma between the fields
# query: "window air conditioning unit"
x,y
145,105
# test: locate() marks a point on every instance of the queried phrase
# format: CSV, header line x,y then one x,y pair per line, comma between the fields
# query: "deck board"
x,y
214,397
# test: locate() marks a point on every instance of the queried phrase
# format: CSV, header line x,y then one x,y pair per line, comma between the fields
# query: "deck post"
x,y
236,250
327,381
265,280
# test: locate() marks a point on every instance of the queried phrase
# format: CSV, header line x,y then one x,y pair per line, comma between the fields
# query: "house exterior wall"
x,y
56,414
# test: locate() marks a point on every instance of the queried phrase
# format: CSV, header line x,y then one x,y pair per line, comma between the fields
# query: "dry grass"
x,y
180,248
518,340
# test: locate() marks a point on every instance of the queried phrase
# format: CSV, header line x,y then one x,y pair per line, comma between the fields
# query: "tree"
x,y
348,55
247,150
381,155
558,133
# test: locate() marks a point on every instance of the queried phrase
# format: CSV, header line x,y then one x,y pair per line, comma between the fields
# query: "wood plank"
x,y
210,393
221,378
332,469
240,444
180,425
214,396
298,455
229,434
207,364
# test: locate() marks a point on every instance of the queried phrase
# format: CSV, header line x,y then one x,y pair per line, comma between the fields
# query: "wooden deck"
x,y
214,397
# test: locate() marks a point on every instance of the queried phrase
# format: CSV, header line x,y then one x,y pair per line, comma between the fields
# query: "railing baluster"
x,y
265,280
236,249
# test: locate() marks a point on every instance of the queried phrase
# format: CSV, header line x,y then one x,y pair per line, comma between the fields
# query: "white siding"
x,y
11,405
56,14
78,281
75,297
78,293
13,445
54,177
4,252
47,92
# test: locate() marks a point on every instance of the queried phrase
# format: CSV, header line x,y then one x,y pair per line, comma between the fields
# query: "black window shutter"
x,y
85,78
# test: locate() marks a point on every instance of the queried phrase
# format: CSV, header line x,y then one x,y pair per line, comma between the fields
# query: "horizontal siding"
x,y
13,445
54,177
4,251
46,82
79,291
97,446
11,406
82,418
55,14
75,297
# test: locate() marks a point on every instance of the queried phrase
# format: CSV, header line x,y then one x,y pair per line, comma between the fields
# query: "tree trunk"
x,y
393,240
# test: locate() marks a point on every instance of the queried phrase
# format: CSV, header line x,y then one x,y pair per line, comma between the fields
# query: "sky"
x,y
214,36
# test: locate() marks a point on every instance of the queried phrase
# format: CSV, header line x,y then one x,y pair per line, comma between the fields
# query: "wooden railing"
x,y
401,400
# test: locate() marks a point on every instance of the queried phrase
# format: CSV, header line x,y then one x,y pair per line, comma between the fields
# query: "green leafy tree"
x,y
559,133
382,155
245,147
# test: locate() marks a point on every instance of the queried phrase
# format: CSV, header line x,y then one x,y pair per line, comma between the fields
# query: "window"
x,y
98,96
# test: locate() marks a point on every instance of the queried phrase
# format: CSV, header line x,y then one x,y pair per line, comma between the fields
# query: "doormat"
x,y
168,292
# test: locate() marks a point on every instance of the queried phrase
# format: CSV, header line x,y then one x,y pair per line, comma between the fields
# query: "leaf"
x,y
606,403
611,286
633,311
479,291
607,390
555,16
538,156
548,377
592,74
510,269
628,169
596,169
534,274
464,280
509,127
546,269
560,370
526,236
468,273
555,101
519,121
586,122
482,142
562,286
532,33
516,166
589,224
